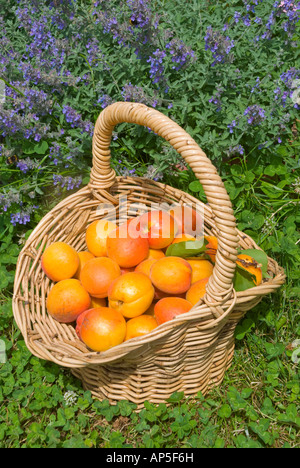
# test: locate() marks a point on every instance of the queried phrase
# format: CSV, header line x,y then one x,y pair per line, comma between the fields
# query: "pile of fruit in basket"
x,y
136,275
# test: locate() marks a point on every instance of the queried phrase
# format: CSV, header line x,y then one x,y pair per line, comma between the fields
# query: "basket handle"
x,y
220,286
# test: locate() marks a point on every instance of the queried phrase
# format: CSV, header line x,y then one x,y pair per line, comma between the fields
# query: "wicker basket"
x,y
190,353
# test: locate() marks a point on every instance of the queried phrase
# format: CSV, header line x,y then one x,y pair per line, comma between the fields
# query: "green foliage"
x,y
187,249
9,253
257,405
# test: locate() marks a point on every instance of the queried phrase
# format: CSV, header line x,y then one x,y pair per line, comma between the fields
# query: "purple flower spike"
x,y
255,114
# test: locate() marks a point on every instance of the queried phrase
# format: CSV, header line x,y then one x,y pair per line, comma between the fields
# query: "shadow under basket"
x,y
192,352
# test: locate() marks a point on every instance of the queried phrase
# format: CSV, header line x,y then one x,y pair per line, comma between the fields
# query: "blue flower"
x,y
237,16
75,119
23,216
232,150
289,9
105,100
256,86
156,65
133,93
181,54
140,12
231,126
67,182
27,164
216,99
219,45
255,114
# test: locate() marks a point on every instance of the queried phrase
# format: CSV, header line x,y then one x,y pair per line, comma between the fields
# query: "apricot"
x,y
183,238
169,307
197,291
160,295
84,257
98,302
200,269
95,304
96,236
150,311
251,265
145,266
131,294
127,270
189,221
156,253
102,328
159,227
140,326
67,300
171,275
126,249
60,261
79,321
211,247
97,275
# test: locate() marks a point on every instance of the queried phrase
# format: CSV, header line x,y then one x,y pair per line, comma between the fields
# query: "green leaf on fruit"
x,y
260,257
242,280
187,249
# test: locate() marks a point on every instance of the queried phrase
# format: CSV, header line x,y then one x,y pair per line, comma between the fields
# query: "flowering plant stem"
x,y
11,86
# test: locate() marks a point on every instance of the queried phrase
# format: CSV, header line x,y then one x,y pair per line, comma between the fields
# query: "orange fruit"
x,y
155,253
169,307
211,247
102,328
161,294
97,275
200,269
251,266
67,300
96,236
188,220
125,248
171,275
150,311
183,238
197,291
79,321
60,261
98,302
131,294
140,326
159,227
84,257
145,266
127,270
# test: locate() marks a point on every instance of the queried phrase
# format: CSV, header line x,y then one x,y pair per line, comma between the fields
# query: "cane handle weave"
x,y
220,285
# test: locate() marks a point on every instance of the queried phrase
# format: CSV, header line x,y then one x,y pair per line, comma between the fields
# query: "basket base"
x,y
139,383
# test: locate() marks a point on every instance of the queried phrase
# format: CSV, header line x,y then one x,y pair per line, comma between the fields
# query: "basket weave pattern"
x,y
191,352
